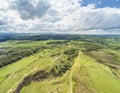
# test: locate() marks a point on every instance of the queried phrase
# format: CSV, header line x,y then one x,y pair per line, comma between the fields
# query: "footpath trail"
x,y
73,69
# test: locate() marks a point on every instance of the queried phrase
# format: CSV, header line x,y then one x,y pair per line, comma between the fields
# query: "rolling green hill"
x,y
60,66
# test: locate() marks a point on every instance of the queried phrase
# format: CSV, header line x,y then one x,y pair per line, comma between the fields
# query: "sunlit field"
x,y
60,64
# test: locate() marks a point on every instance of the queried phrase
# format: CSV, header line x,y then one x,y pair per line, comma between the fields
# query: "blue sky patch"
x,y
102,3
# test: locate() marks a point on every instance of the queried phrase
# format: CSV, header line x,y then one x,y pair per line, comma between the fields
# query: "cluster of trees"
x,y
14,55
65,63
58,42
91,46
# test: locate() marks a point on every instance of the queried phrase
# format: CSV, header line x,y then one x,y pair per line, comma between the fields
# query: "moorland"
x,y
55,63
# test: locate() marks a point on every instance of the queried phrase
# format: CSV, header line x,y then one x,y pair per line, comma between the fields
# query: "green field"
x,y
88,64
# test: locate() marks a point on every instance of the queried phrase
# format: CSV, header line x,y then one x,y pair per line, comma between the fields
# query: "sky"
x,y
60,16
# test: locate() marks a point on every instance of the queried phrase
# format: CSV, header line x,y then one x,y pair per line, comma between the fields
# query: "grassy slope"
x,y
98,77
85,76
11,75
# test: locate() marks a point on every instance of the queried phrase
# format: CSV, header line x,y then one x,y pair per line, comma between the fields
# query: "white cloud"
x,y
57,16
4,4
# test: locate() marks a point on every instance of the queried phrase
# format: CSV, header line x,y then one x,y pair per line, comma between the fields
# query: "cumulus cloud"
x,y
65,16
91,18
32,8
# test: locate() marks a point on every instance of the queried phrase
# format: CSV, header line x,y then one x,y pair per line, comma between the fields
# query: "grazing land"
x,y
59,63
